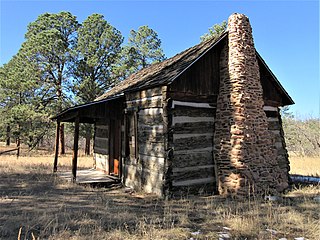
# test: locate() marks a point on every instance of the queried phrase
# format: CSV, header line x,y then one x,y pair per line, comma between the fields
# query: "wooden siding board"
x,y
202,78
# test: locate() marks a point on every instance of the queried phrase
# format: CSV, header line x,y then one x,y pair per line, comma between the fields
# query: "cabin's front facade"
x,y
206,120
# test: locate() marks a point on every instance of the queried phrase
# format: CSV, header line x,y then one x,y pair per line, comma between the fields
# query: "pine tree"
x,y
98,47
23,100
50,45
215,31
142,50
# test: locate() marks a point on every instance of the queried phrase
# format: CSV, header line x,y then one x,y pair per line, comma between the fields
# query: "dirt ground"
x,y
35,204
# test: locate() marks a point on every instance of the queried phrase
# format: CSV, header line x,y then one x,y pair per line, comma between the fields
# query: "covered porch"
x,y
89,176
102,111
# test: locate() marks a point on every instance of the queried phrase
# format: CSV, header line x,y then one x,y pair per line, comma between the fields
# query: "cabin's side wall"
x,y
101,146
193,169
275,127
191,115
144,170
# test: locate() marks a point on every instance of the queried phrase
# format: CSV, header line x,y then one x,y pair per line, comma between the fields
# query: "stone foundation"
x,y
244,147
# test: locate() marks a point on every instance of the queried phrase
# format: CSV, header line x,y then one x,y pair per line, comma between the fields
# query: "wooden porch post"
x,y
56,153
75,149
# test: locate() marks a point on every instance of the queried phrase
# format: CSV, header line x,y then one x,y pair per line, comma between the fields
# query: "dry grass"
x,y
34,200
308,166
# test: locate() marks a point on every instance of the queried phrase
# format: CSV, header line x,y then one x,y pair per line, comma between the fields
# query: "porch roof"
x,y
89,112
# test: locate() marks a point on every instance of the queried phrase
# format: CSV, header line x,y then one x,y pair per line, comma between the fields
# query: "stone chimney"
x,y
244,147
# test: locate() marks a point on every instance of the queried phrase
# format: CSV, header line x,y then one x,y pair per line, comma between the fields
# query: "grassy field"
x,y
309,166
34,204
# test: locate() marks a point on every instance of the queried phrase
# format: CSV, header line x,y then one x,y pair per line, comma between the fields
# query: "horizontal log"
x,y
102,132
193,182
193,175
101,150
191,158
273,119
197,127
278,137
145,104
176,93
142,179
196,150
275,132
186,135
271,114
152,149
157,91
193,168
150,111
193,112
278,145
101,138
193,143
151,158
145,99
102,126
191,104
101,143
150,162
155,119
270,108
154,128
274,125
150,136
187,119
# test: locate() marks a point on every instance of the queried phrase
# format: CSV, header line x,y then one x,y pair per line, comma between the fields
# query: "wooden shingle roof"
x,y
162,73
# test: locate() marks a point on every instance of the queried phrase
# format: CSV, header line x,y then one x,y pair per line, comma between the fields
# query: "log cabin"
x,y
204,121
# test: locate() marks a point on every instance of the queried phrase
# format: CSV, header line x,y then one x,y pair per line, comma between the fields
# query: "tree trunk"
x,y
8,135
60,100
18,147
18,141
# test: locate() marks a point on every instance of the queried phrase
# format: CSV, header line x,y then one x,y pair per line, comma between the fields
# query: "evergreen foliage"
x,y
142,50
215,31
63,62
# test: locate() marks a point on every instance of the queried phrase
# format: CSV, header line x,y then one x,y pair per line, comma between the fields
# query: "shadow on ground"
x,y
41,204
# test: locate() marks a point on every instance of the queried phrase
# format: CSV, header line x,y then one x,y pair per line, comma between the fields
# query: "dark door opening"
x,y
115,147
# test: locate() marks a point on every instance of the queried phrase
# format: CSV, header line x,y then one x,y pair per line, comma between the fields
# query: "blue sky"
x,y
286,33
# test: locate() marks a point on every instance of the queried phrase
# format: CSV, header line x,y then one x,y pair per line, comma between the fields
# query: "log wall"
x,y
192,164
101,147
275,127
145,172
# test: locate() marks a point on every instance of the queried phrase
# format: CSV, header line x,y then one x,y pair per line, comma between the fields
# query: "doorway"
x,y
115,147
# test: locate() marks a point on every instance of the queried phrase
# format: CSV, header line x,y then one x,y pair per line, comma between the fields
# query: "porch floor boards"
x,y
89,176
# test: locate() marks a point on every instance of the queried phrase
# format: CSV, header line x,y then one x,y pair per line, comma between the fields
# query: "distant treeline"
x,y
302,136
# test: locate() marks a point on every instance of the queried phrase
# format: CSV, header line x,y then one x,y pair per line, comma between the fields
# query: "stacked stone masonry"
x,y
244,146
